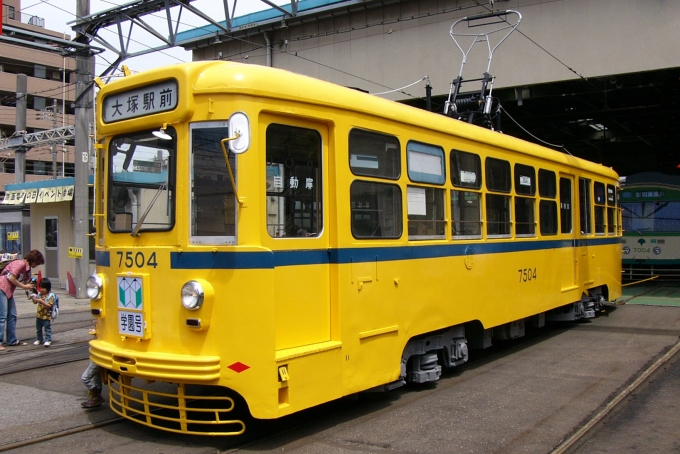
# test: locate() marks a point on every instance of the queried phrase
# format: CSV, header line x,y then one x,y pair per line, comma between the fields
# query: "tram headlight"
x,y
93,287
192,295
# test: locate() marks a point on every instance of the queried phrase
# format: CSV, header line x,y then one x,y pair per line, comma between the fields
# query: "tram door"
x,y
568,257
296,155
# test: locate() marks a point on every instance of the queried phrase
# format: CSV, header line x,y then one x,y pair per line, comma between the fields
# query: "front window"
x,y
141,182
652,216
213,202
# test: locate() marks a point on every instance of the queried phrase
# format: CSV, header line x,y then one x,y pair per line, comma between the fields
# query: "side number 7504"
x,y
527,274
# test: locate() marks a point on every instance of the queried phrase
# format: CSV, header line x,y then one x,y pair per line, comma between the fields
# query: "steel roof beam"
x,y
90,28
48,137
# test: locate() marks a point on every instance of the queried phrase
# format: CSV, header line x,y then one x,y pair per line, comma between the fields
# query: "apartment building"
x,y
34,224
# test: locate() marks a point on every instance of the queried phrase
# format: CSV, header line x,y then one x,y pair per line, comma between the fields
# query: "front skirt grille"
x,y
174,410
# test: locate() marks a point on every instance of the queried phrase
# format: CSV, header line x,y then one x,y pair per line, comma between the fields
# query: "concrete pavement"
x,y
504,405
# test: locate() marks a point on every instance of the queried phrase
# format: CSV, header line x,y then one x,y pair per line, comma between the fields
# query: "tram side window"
x,y
547,209
425,163
600,209
547,184
611,209
294,197
425,213
525,207
376,210
584,205
466,214
213,202
565,205
466,170
498,178
374,155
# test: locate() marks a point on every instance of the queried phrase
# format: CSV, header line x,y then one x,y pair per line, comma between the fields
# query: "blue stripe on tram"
x,y
267,259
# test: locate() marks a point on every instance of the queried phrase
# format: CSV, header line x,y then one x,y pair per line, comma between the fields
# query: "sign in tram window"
x,y
425,213
140,102
525,180
584,205
525,207
294,185
425,163
611,195
466,170
611,209
376,210
374,155
565,205
600,200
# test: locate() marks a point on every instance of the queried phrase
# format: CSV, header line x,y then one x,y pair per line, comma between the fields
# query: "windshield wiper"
x,y
135,231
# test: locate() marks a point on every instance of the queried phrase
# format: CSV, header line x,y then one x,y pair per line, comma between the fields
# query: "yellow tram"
x,y
289,242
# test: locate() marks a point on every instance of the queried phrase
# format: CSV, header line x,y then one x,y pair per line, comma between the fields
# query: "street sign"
x,y
75,252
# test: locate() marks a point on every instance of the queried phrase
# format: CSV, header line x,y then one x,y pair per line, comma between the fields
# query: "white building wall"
x,y
392,46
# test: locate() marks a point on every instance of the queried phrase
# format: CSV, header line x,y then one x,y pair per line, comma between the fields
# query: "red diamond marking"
x,y
238,367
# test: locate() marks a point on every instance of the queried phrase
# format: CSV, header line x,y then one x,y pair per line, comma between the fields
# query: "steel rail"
x,y
627,391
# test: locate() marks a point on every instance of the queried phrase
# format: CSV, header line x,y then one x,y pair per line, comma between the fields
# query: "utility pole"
x,y
20,160
20,153
84,115
53,147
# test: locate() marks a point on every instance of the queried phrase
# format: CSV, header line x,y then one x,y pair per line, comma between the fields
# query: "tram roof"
x,y
652,179
261,81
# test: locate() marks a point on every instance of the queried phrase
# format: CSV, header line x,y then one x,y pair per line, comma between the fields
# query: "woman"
x,y
16,274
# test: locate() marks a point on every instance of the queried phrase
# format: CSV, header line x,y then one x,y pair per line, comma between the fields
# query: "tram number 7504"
x,y
527,274
138,259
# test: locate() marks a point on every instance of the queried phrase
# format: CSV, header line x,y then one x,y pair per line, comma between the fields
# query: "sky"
x,y
57,14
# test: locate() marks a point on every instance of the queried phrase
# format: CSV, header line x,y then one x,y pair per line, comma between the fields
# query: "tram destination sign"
x,y
140,102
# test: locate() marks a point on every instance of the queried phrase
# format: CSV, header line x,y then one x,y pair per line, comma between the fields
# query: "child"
x,y
43,316
93,381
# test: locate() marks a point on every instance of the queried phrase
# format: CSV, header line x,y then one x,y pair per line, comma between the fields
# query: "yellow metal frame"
x,y
147,411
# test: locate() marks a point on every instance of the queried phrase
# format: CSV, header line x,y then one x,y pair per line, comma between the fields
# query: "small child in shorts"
x,y
43,315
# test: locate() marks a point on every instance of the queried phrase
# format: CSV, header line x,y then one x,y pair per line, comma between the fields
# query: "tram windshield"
x,y
140,182
652,216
